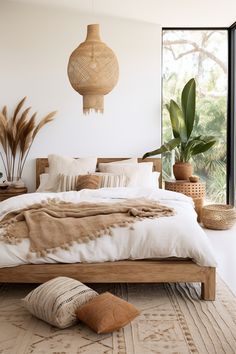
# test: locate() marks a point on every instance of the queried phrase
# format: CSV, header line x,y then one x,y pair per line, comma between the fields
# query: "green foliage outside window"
x,y
201,54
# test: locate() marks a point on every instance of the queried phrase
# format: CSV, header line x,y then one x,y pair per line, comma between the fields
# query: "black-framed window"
x,y
207,51
231,174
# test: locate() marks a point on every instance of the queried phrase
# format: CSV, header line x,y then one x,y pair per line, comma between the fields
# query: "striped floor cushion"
x,y
57,300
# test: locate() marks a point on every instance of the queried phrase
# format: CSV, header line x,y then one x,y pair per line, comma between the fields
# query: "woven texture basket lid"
x,y
93,70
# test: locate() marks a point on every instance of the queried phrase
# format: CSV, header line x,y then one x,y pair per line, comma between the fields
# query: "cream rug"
x,y
173,321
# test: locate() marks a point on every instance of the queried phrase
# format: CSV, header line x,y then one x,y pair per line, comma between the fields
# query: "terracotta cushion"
x,y
107,313
87,182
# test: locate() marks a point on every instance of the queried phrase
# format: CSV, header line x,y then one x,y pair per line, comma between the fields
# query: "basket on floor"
x,y
218,216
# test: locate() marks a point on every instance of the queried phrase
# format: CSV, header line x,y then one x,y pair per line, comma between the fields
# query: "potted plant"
x,y
17,134
182,121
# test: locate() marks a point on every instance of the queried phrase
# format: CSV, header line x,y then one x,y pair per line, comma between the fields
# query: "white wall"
x,y
35,44
168,13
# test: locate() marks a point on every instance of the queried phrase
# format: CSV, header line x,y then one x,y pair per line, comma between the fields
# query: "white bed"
x,y
166,249
175,236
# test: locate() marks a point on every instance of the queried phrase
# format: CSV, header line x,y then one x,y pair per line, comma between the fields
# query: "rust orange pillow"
x,y
87,182
107,313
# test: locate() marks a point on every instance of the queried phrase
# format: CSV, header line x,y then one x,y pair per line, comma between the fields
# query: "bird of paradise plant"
x,y
17,134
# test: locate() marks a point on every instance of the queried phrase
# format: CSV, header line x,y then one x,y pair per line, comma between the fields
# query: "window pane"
x,y
201,54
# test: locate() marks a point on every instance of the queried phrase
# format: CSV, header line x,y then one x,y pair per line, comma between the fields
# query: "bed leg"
x,y
208,286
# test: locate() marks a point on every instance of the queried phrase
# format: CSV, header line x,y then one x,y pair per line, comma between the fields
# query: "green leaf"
x,y
177,121
166,147
196,120
187,150
174,118
202,147
208,138
188,102
167,107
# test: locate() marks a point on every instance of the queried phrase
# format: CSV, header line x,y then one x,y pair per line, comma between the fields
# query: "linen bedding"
x,y
175,236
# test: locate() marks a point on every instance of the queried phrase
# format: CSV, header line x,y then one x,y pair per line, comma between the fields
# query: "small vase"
x,y
182,170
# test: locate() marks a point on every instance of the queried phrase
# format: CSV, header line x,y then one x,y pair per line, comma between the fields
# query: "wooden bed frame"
x,y
138,271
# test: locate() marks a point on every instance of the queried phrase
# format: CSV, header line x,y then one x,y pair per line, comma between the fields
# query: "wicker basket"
x,y
218,216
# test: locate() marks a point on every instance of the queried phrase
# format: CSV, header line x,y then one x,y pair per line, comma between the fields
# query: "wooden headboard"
x,y
42,163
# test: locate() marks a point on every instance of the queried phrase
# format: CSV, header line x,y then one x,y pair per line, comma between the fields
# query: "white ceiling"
x,y
165,12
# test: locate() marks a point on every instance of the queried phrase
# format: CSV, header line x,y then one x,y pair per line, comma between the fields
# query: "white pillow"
x,y
108,180
43,178
155,180
57,300
67,166
132,160
139,175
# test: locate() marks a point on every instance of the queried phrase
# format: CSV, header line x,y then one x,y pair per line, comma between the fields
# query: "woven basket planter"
x,y
218,216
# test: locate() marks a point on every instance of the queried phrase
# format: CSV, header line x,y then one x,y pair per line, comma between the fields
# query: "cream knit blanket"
x,y
52,225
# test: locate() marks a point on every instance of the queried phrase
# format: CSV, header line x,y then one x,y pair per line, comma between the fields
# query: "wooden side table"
x,y
11,192
195,190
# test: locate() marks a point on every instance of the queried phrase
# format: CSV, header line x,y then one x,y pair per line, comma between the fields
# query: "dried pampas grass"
x,y
17,134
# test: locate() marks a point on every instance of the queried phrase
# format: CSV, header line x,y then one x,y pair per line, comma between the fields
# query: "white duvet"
x,y
174,236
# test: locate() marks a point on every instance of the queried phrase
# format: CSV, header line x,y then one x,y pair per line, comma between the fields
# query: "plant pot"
x,y
182,170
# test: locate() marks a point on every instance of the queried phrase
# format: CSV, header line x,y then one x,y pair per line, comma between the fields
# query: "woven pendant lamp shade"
x,y
93,70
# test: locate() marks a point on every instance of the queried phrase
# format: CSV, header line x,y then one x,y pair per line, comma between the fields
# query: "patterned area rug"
x,y
173,321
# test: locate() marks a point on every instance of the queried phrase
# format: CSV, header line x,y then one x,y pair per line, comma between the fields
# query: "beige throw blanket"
x,y
53,225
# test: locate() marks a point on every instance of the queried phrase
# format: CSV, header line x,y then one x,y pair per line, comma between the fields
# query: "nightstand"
x,y
11,192
195,190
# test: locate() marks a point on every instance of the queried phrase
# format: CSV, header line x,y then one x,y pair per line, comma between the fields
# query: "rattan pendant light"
x,y
93,70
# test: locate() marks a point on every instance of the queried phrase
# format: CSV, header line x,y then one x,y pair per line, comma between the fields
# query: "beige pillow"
x,y
107,313
57,300
139,175
67,166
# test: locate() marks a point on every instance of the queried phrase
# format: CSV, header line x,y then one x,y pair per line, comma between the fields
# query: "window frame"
x,y
231,103
231,114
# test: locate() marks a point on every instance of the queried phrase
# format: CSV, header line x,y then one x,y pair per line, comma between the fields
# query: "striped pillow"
x,y
57,300
106,180
66,183
111,180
